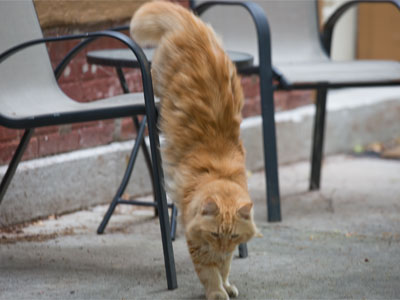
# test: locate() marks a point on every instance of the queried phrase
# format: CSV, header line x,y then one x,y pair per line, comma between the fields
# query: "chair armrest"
x,y
327,31
137,51
262,28
74,51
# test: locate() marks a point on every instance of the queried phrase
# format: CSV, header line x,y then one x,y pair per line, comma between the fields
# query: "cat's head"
x,y
223,217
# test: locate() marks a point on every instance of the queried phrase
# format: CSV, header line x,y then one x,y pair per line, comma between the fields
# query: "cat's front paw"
x,y
217,295
232,290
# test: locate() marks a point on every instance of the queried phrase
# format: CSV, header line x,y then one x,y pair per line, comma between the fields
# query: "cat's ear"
x,y
245,210
209,208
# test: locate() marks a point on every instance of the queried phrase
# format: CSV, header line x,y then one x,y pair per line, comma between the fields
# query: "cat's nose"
x,y
225,245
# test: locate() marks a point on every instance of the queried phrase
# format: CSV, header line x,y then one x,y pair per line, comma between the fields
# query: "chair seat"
x,y
57,108
340,72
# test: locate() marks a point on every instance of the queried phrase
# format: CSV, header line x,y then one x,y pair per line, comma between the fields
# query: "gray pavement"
x,y
340,242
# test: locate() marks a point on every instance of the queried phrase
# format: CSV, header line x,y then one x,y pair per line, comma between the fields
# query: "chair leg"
x,y
108,215
125,179
318,139
270,154
125,88
164,225
161,197
174,215
15,161
157,176
174,210
243,250
147,158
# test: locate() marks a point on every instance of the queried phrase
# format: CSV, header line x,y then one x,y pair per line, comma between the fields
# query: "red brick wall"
x,y
84,82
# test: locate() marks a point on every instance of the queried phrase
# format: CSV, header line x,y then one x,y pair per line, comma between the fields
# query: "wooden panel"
x,y
83,13
379,32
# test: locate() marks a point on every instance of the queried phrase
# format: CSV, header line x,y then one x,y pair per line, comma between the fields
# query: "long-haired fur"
x,y
201,102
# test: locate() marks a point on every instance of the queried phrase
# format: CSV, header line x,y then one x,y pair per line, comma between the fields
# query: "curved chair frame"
x,y
149,110
271,79
266,73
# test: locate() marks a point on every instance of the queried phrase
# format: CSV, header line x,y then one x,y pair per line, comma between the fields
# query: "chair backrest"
x,y
293,26
30,69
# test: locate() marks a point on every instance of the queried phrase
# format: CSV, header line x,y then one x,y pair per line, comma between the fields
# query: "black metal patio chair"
x,y
290,50
30,98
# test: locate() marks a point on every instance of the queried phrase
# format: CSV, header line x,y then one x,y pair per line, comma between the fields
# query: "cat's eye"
x,y
214,234
234,236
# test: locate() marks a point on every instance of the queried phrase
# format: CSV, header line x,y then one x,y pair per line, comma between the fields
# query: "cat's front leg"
x,y
225,269
211,279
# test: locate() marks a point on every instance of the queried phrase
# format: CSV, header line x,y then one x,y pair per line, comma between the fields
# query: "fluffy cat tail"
x,y
155,19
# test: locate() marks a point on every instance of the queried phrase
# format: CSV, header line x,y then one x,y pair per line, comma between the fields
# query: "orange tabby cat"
x,y
201,101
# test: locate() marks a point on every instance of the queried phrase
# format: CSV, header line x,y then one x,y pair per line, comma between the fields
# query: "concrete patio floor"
x,y
340,242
